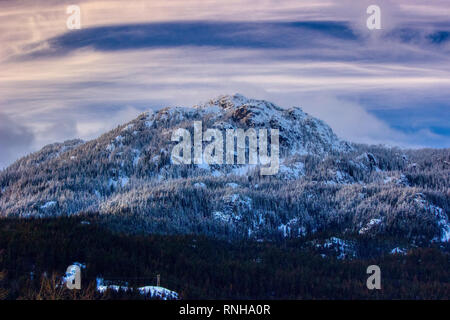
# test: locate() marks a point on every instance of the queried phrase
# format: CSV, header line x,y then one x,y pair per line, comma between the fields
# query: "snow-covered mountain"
x,y
126,178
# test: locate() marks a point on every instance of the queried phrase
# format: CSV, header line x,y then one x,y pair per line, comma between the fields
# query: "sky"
x,y
388,86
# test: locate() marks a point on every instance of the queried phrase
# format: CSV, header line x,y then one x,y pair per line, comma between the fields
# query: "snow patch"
x,y
216,173
48,205
344,248
219,215
137,157
153,291
128,127
370,225
292,171
110,147
200,185
439,213
290,227
398,250
232,185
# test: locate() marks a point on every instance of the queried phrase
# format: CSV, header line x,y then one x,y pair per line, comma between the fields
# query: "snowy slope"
x,y
322,182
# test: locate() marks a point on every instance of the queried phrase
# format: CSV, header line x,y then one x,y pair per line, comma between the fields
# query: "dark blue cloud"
x,y
419,36
260,35
423,116
439,37
317,40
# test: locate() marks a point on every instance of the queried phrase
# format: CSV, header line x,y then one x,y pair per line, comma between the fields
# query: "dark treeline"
x,y
34,254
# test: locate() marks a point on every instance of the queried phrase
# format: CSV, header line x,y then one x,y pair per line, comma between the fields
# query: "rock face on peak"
x,y
126,179
237,101
300,133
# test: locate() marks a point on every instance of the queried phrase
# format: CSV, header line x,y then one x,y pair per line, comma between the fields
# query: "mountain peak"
x,y
300,133
238,101
127,173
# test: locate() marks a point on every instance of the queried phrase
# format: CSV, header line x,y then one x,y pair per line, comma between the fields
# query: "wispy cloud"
x,y
136,55
15,140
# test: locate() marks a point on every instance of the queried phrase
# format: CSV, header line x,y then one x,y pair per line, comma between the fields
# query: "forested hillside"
x,y
125,179
34,254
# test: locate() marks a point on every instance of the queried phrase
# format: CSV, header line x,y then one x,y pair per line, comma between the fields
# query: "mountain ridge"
x,y
323,184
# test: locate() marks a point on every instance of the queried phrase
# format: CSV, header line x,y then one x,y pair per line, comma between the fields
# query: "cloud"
x,y
15,140
314,40
25,23
95,125
227,35
136,55
352,122
89,92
